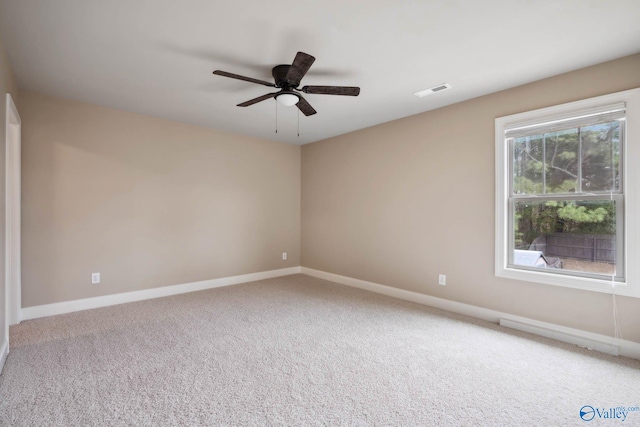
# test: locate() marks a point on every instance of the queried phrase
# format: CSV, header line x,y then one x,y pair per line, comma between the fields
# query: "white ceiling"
x,y
156,57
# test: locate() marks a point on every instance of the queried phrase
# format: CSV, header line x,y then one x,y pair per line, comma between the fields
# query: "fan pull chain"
x,y
298,123
276,116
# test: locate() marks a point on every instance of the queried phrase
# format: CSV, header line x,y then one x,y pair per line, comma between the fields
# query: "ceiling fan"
x,y
287,79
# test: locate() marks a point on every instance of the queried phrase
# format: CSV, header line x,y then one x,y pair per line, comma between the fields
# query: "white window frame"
x,y
630,286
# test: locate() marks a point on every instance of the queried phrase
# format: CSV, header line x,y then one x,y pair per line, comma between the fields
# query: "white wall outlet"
x,y
284,256
442,279
95,278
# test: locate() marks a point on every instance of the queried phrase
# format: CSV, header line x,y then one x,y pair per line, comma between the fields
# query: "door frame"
x,y
13,276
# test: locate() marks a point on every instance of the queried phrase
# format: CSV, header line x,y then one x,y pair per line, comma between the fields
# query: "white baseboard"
x,y
598,342
107,300
561,336
4,352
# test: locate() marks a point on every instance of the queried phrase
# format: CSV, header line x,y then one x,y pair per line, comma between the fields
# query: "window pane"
x,y
568,235
553,162
528,165
561,158
601,157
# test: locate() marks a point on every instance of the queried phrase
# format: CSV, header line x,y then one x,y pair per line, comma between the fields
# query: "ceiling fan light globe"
x,y
287,99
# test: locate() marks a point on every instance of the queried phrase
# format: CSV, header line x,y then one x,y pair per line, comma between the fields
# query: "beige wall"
x,y
147,202
401,202
7,84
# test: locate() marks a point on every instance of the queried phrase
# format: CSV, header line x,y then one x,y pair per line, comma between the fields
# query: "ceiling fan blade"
x,y
299,68
332,90
258,99
305,107
239,77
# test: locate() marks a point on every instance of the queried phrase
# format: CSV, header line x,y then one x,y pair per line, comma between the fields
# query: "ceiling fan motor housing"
x,y
279,73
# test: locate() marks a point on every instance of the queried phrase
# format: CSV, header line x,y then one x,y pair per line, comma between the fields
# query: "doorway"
x,y
12,217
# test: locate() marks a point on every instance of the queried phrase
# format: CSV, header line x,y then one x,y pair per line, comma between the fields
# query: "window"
x,y
565,194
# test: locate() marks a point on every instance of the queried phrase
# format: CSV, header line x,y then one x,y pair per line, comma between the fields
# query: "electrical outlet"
x,y
95,278
284,256
442,279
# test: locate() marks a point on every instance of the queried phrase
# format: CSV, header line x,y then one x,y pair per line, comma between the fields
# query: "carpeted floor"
x,y
299,351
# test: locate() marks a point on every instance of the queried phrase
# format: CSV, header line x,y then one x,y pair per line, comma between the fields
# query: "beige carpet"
x,y
299,351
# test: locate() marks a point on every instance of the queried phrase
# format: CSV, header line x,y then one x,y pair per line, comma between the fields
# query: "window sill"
x,y
583,283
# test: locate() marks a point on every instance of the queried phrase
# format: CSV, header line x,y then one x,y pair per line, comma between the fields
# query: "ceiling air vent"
x,y
439,88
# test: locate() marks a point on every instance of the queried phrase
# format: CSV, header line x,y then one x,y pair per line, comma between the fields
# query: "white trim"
x,y
561,333
598,342
631,285
4,352
12,213
107,300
